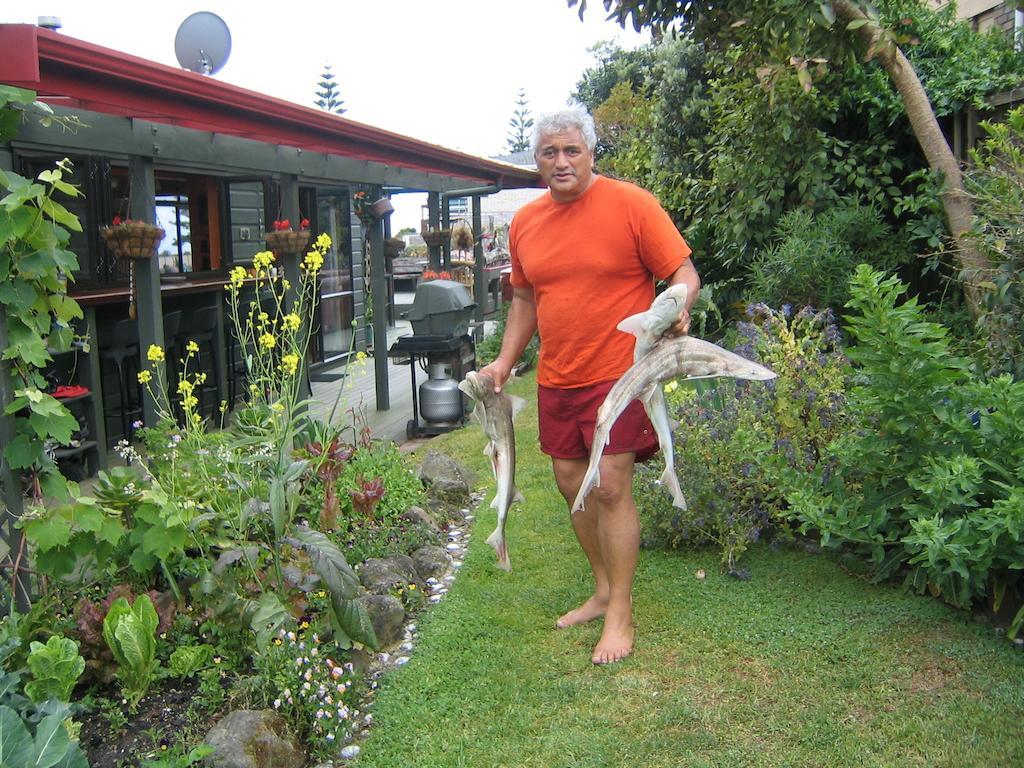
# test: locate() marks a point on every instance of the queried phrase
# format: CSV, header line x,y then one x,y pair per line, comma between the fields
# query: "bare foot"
x,y
616,641
590,610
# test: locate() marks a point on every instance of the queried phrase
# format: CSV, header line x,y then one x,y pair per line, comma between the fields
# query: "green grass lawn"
x,y
803,665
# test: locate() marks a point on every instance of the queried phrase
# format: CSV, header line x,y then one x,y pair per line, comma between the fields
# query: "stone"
x,y
445,477
387,616
422,518
431,562
249,738
380,575
352,750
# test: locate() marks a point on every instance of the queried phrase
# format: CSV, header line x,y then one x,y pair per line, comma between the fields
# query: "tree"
x,y
519,125
803,36
328,96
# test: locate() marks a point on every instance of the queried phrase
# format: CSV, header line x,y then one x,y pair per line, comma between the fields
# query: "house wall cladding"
x,y
248,226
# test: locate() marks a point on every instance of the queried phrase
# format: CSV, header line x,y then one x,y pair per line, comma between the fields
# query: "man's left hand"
x,y
680,327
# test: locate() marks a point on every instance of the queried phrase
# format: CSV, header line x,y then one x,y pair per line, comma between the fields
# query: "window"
x,y
172,214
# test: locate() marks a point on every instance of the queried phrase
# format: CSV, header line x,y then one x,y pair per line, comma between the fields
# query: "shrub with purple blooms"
x,y
302,680
736,439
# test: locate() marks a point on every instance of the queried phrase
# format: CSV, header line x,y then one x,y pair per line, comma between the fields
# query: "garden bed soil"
x,y
164,718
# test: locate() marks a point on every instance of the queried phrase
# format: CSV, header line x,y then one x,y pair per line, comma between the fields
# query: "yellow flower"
x,y
672,386
263,318
277,407
145,377
263,260
290,364
237,276
155,354
267,341
323,241
313,262
192,348
291,322
185,387
360,356
286,284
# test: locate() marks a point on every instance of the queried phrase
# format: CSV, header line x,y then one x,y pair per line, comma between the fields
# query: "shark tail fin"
x,y
669,480
497,540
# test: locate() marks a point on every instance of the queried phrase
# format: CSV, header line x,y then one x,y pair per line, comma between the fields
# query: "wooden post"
x,y
97,417
378,290
479,285
434,222
446,223
149,308
290,264
13,498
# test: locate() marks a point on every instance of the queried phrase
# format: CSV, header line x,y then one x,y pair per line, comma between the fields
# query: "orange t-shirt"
x,y
591,262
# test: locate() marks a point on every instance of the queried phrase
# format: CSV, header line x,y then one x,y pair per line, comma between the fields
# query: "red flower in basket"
x,y
304,224
117,221
280,226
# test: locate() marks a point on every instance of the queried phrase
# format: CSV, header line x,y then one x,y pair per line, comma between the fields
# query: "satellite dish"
x,y
202,43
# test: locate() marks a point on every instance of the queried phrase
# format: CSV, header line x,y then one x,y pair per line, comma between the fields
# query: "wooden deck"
x,y
358,396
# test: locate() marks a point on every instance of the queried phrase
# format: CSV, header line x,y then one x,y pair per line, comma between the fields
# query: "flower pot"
x,y
133,239
382,208
286,242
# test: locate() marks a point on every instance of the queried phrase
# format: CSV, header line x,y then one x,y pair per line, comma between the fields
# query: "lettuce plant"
x,y
56,667
130,632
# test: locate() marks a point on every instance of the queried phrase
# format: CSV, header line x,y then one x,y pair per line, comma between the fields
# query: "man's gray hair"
x,y
575,116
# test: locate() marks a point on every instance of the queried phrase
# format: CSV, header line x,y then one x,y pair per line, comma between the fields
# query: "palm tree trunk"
x,y
955,201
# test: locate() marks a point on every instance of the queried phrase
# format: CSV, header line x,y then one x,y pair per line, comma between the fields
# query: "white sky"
x,y
443,71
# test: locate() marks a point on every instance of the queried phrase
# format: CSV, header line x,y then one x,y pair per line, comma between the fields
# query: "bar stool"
x,y
202,329
123,352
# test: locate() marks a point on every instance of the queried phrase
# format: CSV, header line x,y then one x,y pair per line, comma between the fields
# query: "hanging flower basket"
x,y
393,246
286,241
133,239
436,237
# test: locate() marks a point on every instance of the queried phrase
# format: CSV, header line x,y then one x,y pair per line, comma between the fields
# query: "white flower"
x,y
277,703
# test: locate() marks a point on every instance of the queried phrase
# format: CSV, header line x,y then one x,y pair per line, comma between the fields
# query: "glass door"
x,y
337,304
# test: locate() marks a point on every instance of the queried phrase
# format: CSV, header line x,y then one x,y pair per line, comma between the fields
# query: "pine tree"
x,y
328,93
519,125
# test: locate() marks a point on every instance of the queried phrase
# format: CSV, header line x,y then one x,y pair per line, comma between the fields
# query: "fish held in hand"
x,y
649,327
682,357
495,411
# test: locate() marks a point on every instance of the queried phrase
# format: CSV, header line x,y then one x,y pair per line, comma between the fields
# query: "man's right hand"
x,y
498,371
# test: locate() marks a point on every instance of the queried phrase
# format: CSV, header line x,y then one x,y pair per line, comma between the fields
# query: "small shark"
x,y
649,327
495,411
669,358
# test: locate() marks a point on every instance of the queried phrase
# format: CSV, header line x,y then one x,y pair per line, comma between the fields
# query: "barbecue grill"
x,y
440,345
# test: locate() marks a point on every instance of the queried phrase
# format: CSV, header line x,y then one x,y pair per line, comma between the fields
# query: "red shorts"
x,y
567,418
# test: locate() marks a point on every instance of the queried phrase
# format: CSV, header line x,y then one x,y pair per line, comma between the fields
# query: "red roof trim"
x,y
99,79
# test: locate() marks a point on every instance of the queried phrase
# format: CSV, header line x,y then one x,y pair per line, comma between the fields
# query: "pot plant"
x,y
283,240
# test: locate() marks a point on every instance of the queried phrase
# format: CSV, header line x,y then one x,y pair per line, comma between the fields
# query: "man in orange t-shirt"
x,y
584,257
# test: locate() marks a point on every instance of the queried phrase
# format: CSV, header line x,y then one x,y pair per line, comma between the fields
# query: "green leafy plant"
x,y
177,757
927,477
996,181
738,441
56,667
187,660
815,255
48,745
130,633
